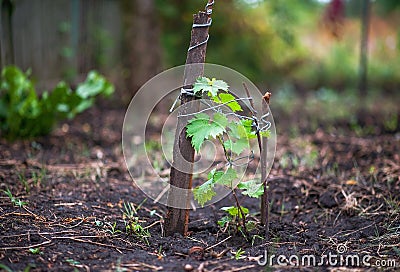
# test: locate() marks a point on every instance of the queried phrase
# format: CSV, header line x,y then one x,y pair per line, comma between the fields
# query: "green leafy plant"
x,y
112,228
40,177
239,254
391,122
24,181
23,114
15,201
206,192
98,223
230,221
134,228
35,250
233,135
132,222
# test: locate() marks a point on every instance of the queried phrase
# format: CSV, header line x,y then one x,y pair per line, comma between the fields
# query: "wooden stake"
x,y
177,219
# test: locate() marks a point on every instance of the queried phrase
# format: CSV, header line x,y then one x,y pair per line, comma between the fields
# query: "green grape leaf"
x,y
216,99
223,221
220,119
201,128
229,100
198,129
225,178
239,139
210,87
237,130
219,84
211,173
204,192
237,146
228,144
251,188
265,133
227,97
248,126
234,211
201,85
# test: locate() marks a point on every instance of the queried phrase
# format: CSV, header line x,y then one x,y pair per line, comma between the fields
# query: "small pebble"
x,y
188,267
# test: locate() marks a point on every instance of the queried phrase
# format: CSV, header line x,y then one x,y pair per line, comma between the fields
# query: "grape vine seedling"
x,y
225,122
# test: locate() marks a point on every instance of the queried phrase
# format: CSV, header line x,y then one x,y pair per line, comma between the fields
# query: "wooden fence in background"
x,y
61,39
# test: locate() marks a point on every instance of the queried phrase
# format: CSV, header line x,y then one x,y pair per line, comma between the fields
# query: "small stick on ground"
x,y
97,243
263,161
217,244
28,247
262,145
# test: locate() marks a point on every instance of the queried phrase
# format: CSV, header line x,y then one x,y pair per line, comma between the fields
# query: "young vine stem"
x,y
254,114
215,107
227,155
246,233
228,158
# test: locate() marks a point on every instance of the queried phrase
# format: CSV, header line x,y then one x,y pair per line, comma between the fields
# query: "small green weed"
x,y
392,204
39,177
230,222
391,122
129,210
24,181
35,250
239,254
112,228
15,201
134,227
132,224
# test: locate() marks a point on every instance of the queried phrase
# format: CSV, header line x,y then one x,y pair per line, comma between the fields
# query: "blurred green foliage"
x,y
258,40
25,115
277,42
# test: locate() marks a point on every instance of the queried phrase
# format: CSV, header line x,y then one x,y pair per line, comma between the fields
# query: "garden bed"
x,y
331,193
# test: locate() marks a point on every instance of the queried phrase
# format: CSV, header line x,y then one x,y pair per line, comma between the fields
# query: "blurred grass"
x,y
335,112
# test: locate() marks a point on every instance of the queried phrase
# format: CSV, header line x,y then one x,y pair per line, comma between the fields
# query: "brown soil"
x,y
75,184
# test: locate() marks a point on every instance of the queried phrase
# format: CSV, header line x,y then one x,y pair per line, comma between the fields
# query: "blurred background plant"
x,y
296,49
23,114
